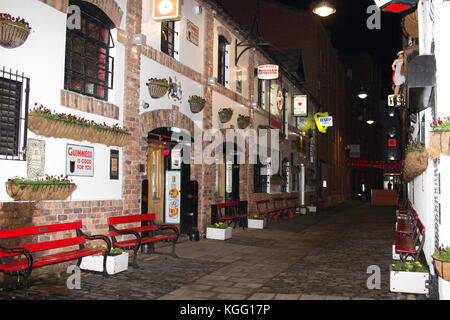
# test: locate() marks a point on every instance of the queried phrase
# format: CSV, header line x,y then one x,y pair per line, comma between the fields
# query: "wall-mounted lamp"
x,y
370,121
254,105
212,81
362,94
139,39
324,9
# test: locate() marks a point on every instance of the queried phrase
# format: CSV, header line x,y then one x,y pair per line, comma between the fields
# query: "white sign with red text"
x,y
268,72
79,160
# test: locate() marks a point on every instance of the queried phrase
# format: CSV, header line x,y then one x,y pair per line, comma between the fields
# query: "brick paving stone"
x,y
310,257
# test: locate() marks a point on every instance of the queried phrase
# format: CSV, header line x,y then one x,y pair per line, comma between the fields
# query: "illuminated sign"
x,y
166,10
300,108
268,72
323,121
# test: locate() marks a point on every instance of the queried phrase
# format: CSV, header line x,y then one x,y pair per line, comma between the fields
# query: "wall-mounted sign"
x,y
114,165
192,32
166,10
79,160
173,197
280,100
323,121
175,156
300,108
35,158
268,72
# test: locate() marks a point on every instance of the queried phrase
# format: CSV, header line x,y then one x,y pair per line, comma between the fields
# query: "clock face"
x,y
165,7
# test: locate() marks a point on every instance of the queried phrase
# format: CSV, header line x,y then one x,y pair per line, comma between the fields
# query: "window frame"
x,y
105,66
20,113
223,61
168,45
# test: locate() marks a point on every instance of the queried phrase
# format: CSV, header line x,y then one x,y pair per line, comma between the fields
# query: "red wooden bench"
x,y
33,257
263,208
412,244
280,204
406,224
404,208
293,204
148,233
231,212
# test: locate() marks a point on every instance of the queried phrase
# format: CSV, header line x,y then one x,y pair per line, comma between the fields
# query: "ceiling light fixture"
x,y
324,9
362,94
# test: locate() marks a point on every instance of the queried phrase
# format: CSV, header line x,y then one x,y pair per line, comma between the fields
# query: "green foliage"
x,y
415,146
242,117
415,266
163,82
441,124
226,110
256,217
70,119
112,252
219,225
52,181
442,253
19,21
195,98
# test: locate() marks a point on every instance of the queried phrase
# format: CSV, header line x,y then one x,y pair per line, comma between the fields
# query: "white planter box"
x,y
218,234
312,209
114,264
256,223
303,210
409,282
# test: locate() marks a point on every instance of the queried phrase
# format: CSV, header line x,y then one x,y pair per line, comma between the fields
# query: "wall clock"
x,y
166,10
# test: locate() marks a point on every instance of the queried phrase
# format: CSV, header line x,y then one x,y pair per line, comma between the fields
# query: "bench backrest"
x,y
279,202
149,217
46,245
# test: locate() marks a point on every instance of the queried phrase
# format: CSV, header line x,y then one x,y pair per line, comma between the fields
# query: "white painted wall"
x,y
41,58
188,53
151,69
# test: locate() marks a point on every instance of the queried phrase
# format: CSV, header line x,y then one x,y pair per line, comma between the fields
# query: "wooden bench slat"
x,y
144,240
49,259
40,246
131,218
227,204
137,229
12,233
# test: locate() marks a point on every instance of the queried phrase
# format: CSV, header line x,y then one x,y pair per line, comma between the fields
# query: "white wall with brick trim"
x,y
42,58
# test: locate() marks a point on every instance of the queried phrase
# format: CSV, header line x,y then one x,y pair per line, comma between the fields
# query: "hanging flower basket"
x,y
439,144
30,190
196,103
225,114
157,88
13,31
416,162
44,123
243,121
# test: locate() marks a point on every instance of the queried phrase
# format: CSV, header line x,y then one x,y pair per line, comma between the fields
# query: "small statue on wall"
x,y
398,76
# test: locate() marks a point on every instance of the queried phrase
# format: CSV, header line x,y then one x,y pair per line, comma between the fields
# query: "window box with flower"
x,y
256,221
409,277
45,123
416,161
439,138
303,209
13,31
116,261
48,188
219,231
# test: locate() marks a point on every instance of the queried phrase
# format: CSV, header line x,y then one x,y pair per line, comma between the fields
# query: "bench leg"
x,y
174,241
134,264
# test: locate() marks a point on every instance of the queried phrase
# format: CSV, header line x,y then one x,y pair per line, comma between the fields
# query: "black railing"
x,y
14,101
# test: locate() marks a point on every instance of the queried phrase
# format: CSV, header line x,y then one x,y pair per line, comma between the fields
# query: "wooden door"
x,y
155,176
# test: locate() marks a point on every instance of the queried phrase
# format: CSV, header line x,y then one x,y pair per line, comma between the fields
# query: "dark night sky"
x,y
349,33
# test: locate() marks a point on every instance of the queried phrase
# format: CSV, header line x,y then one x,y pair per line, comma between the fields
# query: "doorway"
x,y
167,171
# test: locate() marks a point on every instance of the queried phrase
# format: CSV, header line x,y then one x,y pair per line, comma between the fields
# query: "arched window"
x,y
88,66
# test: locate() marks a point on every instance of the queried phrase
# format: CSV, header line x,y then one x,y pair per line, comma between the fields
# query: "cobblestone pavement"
x,y
319,256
